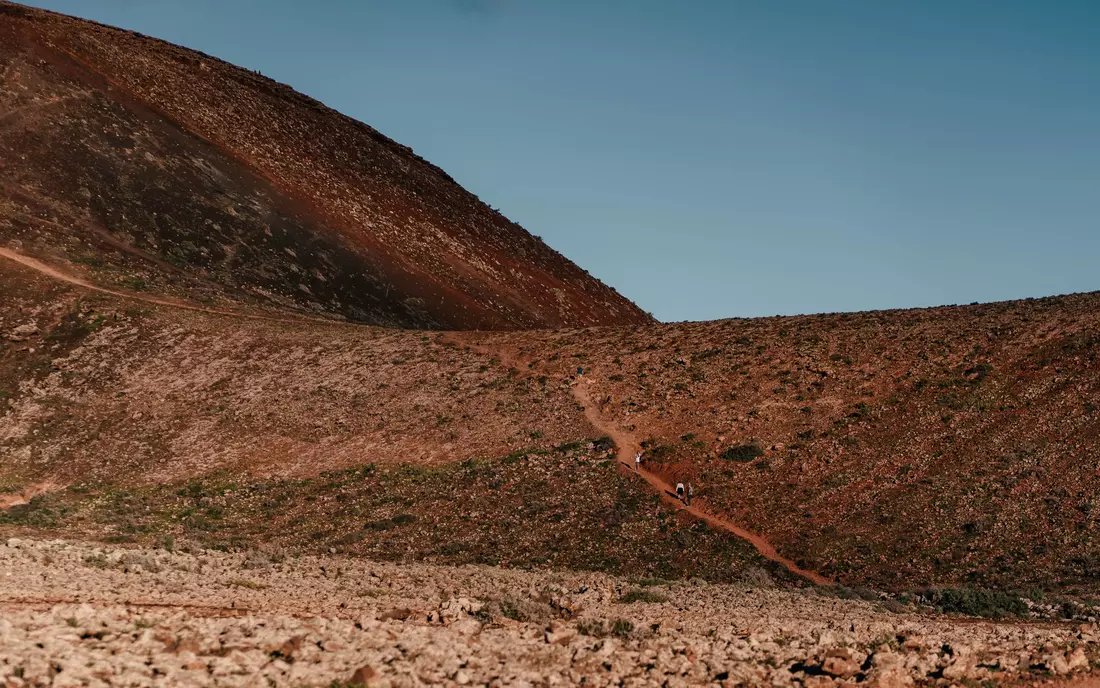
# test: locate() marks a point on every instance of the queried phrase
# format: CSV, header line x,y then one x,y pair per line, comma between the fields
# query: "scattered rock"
x,y
400,614
363,676
21,332
299,627
840,667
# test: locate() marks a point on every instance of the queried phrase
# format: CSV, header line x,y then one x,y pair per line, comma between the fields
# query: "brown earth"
x,y
168,170
952,445
626,451
935,447
178,269
623,538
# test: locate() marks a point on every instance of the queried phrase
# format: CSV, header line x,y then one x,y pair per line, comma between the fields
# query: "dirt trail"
x,y
623,441
625,448
26,495
56,274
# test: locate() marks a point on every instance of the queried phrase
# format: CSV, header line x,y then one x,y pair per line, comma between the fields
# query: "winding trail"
x,y
624,442
626,445
56,274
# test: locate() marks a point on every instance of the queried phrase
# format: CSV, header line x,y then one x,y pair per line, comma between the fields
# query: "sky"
x,y
724,158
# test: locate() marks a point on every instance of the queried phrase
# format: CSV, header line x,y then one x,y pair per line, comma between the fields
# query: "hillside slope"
x,y
947,446
170,171
953,445
127,419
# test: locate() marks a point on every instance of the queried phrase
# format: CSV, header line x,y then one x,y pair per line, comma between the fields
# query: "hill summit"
x,y
172,171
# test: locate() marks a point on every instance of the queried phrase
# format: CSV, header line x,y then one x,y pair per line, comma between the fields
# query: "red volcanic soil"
x,y
161,165
942,446
172,228
951,446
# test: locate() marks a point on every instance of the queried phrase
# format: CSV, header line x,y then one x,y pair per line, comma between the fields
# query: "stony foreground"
x,y
82,614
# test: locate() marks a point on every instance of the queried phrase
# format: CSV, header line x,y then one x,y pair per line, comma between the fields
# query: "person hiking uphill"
x,y
680,491
690,494
637,462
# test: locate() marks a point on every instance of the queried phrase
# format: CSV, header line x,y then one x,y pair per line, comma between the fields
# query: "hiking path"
x,y
626,446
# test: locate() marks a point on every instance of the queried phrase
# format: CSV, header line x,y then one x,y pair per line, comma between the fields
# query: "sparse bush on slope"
x,y
988,603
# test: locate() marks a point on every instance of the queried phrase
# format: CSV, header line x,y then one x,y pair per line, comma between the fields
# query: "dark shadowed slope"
x,y
167,170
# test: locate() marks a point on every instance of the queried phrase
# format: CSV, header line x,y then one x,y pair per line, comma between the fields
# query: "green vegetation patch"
x,y
648,596
571,508
992,604
743,453
37,513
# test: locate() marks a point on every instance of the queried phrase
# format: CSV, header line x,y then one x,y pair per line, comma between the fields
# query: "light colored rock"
x,y
839,667
363,676
22,331
1077,660
194,620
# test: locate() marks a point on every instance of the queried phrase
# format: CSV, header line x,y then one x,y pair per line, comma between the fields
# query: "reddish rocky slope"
x,y
174,171
949,446
942,445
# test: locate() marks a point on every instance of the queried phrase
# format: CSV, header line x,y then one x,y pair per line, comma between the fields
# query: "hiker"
x,y
691,494
637,462
680,491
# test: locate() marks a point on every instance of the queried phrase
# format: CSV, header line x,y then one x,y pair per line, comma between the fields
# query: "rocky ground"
x,y
83,614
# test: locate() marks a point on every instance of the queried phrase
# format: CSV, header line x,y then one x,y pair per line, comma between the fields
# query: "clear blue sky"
x,y
724,158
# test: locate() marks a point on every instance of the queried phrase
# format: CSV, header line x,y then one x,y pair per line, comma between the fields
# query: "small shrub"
x,y
743,453
895,607
388,523
657,452
35,513
509,610
993,604
599,628
648,596
845,593
98,561
757,577
621,628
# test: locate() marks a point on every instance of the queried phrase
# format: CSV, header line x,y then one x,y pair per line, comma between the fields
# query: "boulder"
x,y
363,676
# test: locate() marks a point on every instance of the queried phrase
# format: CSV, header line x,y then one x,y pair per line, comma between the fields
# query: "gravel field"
x,y
84,614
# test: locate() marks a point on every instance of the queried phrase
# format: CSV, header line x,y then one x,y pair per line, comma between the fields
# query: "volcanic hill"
x,y
251,348
183,243
168,170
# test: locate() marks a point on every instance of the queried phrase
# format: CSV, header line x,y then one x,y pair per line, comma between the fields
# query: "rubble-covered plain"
x,y
86,614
